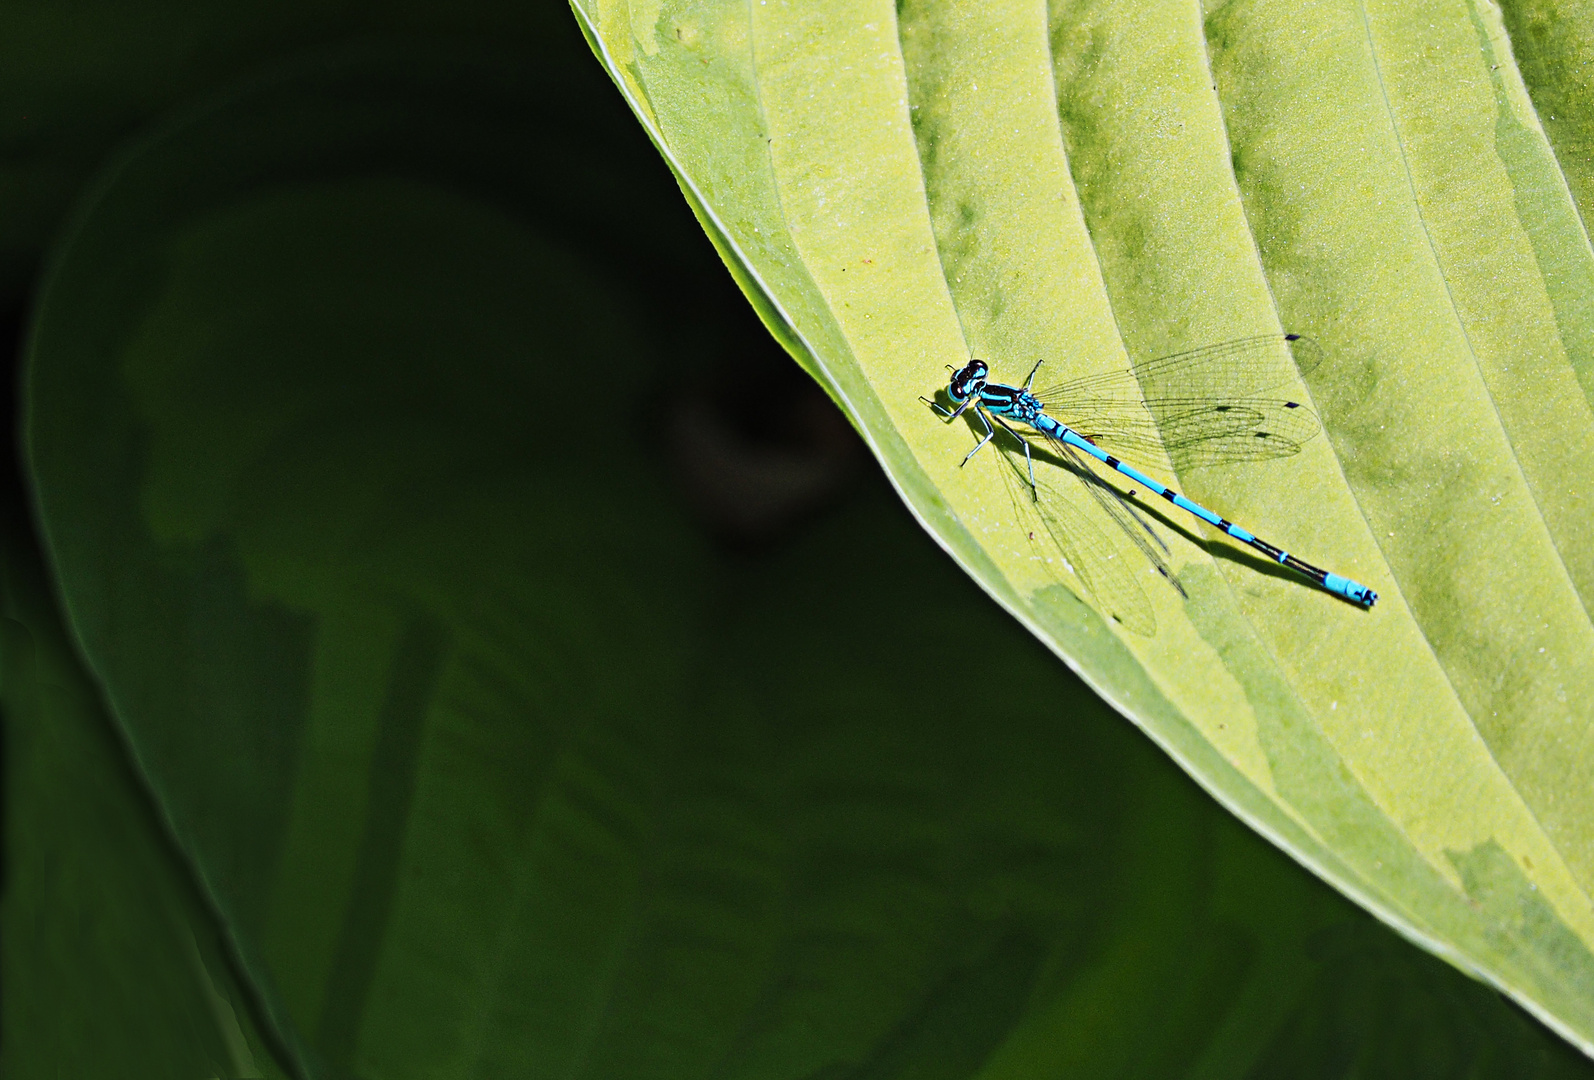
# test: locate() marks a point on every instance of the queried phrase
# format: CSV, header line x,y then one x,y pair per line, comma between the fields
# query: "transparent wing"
x,y
1193,431
1108,575
1176,403
1244,366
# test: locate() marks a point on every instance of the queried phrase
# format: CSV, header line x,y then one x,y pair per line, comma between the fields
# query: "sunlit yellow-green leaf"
x,y
1091,184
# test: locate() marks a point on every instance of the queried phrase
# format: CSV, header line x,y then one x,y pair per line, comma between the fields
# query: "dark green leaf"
x,y
113,964
354,409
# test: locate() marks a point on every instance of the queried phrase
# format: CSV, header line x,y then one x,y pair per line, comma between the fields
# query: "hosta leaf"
x,y
113,964
899,187
348,423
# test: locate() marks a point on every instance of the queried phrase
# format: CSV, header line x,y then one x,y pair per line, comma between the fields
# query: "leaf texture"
x,y
899,187
486,760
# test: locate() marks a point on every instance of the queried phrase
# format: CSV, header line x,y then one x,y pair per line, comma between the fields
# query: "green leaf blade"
x,y
1440,330
492,763
1121,182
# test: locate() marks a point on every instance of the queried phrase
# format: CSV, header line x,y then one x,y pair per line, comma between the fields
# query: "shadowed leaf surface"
x,y
113,962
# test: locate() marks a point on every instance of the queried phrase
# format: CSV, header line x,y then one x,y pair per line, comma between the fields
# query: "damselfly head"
x,y
967,380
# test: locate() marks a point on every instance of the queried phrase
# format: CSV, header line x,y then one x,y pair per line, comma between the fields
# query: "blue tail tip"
x,y
1353,591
